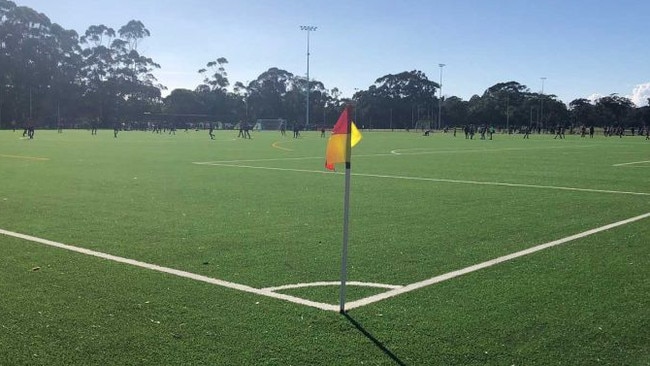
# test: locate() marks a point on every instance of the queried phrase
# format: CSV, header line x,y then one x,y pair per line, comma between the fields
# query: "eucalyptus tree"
x,y
267,93
640,117
182,101
215,75
66,87
119,80
293,101
456,111
98,70
614,109
240,97
394,97
507,103
37,60
138,89
331,107
555,112
213,92
582,112
133,32
479,110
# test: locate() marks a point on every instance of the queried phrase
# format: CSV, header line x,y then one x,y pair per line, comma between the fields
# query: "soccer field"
x,y
158,249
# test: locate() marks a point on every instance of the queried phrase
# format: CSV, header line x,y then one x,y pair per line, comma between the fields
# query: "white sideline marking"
x,y
23,157
174,272
429,151
441,180
395,290
418,285
632,163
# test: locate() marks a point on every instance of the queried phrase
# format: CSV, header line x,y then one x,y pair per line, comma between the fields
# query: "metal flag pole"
x,y
346,214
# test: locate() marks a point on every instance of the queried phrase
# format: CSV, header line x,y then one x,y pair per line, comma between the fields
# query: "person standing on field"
x,y
558,132
247,128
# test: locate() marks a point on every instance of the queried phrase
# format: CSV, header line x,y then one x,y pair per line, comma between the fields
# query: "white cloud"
x,y
594,97
640,94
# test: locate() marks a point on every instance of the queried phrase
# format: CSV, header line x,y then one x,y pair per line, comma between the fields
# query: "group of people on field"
x,y
483,131
29,131
559,131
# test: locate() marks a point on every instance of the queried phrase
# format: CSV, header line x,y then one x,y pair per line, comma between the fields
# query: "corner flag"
x,y
339,150
344,135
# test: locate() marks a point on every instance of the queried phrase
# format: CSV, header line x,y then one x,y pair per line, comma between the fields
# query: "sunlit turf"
x,y
417,211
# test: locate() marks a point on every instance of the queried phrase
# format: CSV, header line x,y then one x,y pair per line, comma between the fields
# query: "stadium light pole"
x,y
440,97
356,90
541,102
309,29
508,114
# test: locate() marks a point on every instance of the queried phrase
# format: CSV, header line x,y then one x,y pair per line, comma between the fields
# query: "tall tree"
x,y
614,109
582,112
390,101
119,80
268,92
215,75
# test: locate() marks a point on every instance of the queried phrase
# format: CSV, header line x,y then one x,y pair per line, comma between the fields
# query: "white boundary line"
x,y
632,163
418,285
269,291
393,153
440,180
428,151
174,272
23,157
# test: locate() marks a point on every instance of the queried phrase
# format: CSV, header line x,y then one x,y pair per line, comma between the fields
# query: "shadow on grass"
x,y
374,340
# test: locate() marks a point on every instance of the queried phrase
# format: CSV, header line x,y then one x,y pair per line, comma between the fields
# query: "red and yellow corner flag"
x,y
337,151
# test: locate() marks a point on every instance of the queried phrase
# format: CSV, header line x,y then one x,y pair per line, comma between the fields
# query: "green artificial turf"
x,y
265,213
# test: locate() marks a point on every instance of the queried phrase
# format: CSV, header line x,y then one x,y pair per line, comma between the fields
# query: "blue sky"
x,y
582,48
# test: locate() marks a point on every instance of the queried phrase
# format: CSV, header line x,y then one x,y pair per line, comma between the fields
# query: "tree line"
x,y
51,76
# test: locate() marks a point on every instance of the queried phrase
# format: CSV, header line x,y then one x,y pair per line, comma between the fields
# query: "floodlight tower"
x,y
541,102
309,29
356,103
440,97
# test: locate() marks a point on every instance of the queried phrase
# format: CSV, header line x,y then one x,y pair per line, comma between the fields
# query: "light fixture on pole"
x,y
440,97
309,29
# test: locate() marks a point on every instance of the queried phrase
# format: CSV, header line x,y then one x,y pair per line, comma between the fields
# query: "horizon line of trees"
x,y
51,76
